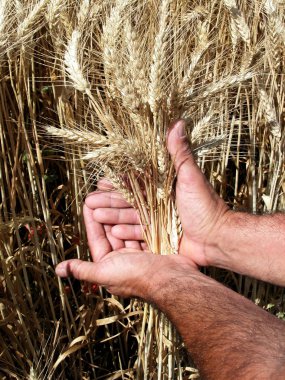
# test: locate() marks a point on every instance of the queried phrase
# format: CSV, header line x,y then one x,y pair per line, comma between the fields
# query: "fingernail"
x,y
61,271
180,129
174,124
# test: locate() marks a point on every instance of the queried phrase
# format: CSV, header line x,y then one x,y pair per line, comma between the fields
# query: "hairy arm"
x,y
227,335
252,245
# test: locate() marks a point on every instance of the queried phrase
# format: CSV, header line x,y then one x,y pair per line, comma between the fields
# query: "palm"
x,y
123,271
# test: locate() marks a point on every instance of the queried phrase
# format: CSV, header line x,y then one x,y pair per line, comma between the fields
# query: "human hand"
x,y
123,271
119,219
202,212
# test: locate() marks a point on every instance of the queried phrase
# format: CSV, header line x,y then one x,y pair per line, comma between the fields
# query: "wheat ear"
x,y
28,24
276,30
54,9
109,37
135,67
72,65
3,9
201,126
202,46
83,12
222,84
73,135
239,20
158,61
269,113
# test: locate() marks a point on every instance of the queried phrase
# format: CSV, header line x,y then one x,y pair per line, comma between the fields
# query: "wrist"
x,y
219,244
234,247
165,271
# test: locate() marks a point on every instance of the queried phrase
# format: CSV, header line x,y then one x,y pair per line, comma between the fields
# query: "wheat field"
x,y
88,90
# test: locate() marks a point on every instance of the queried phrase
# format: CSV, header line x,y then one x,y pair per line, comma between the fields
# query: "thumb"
x,y
195,196
81,270
188,172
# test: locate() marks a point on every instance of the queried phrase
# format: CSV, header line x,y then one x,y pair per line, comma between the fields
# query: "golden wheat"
x,y
108,77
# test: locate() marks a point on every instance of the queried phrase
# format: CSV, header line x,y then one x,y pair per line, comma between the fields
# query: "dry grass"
x,y
106,78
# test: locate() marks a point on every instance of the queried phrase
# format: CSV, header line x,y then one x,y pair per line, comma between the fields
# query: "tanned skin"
x,y
227,335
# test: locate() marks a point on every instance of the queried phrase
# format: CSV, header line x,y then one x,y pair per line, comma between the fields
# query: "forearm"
x,y
253,245
228,336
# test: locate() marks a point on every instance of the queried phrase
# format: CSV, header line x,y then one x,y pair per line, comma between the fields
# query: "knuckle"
x,y
98,214
76,269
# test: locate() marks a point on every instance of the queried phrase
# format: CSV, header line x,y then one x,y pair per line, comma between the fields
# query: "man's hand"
x,y
202,212
124,271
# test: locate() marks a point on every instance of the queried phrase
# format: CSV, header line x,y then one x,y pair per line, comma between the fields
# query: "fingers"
x,y
109,208
114,242
106,200
144,246
133,244
98,243
116,216
128,232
